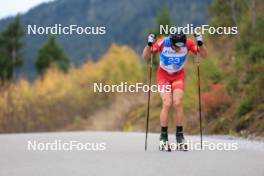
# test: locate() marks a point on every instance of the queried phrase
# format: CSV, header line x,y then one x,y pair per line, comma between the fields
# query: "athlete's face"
x,y
176,48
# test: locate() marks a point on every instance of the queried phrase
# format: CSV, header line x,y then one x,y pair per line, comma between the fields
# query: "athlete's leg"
x,y
177,104
178,92
166,105
166,96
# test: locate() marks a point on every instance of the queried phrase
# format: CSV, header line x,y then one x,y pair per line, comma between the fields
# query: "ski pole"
x,y
148,104
199,98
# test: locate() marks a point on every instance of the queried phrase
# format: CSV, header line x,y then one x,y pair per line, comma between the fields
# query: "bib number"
x,y
174,60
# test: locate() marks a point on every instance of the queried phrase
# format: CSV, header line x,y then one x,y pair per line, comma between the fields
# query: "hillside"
x,y
58,100
126,21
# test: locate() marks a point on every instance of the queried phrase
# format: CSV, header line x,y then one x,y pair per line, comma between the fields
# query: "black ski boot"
x,y
164,144
181,142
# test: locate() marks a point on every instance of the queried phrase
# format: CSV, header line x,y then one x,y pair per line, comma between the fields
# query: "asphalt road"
x,y
124,155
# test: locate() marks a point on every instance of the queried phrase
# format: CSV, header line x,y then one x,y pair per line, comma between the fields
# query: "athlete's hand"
x,y
151,39
199,39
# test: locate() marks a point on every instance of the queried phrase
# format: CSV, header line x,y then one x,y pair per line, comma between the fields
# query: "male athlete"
x,y
173,51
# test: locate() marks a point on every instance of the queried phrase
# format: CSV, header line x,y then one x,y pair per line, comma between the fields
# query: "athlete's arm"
x,y
202,51
146,52
201,48
157,47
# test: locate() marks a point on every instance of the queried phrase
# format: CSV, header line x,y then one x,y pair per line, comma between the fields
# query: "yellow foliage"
x,y
54,100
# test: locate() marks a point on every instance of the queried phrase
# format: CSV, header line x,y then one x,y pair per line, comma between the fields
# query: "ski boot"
x,y
182,144
164,144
